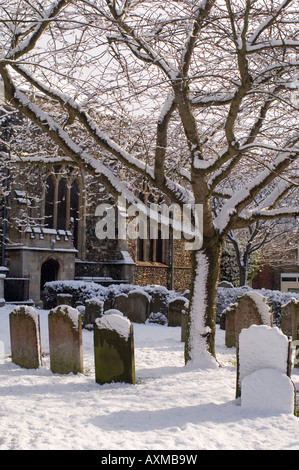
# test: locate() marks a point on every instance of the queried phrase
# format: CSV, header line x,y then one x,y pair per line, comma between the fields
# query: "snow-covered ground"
x,y
172,407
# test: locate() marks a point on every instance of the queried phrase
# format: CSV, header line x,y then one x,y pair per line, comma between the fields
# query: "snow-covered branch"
x,y
244,196
274,44
268,22
42,24
250,216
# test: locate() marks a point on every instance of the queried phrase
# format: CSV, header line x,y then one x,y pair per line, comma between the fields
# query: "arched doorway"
x,y
49,272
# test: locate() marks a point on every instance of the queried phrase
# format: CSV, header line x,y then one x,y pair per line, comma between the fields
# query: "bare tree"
x,y
254,239
216,80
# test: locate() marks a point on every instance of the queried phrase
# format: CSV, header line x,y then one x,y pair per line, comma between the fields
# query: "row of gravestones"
x,y
136,306
261,350
113,343
114,346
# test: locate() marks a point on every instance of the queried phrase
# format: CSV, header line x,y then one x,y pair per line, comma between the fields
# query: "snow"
x,y
262,306
170,407
114,320
263,390
70,312
262,347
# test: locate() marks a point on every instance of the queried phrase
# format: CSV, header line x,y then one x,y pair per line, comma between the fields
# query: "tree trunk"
x,y
200,340
243,274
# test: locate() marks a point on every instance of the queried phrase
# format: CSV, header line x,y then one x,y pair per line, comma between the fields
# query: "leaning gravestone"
x,y
250,309
264,370
176,309
65,340
138,306
114,349
25,337
94,308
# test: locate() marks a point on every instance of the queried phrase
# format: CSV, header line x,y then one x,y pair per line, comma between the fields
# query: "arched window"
x,y
74,210
62,196
49,202
152,248
62,202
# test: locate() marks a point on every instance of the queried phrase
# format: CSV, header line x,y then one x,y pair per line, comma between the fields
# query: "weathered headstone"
x,y
225,285
250,309
121,303
290,324
286,318
176,308
290,318
65,340
94,308
138,306
222,320
114,349
230,328
264,370
25,337
64,299
158,301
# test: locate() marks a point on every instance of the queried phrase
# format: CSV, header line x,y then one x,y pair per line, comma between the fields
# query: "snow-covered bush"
x,y
82,291
227,296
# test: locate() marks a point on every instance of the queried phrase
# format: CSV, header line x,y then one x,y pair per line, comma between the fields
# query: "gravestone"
x,y
158,301
230,329
25,337
250,309
176,308
268,391
286,318
290,324
65,340
137,307
94,308
264,369
222,320
64,299
121,303
114,349
290,318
